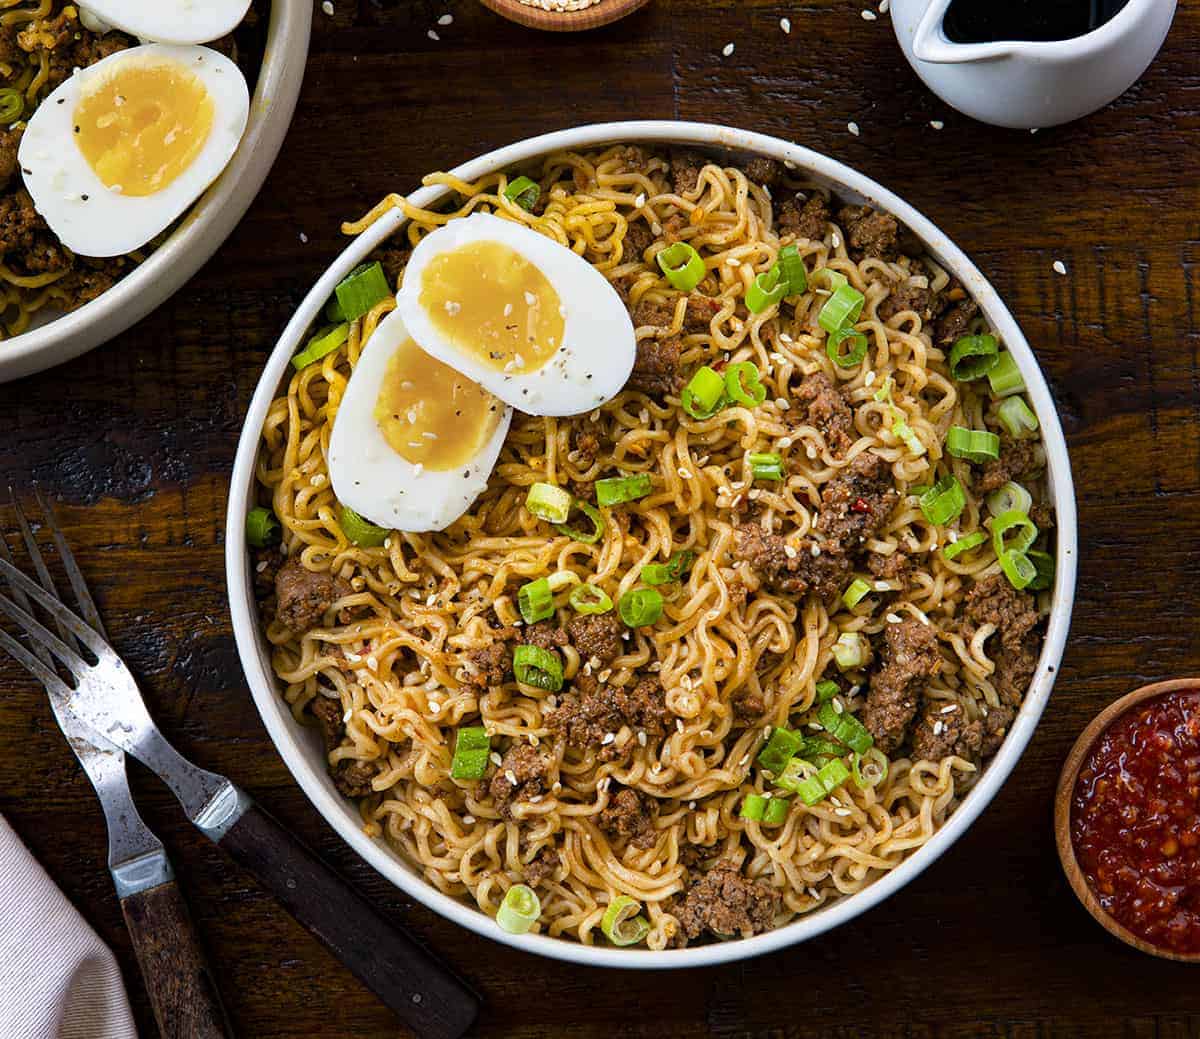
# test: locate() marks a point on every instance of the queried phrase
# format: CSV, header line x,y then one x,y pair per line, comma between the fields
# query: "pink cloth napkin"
x,y
58,980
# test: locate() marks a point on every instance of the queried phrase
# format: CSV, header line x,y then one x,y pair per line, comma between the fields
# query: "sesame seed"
x,y
937,124
641,738
841,811
938,726
303,238
640,200
870,378
884,5
733,261
833,238
692,805
781,403
433,35
446,19
869,16
893,618
1060,267
372,663
511,776
785,24
815,550
494,757
837,707
327,7
727,50
679,724
469,820
260,567
853,128
609,737
947,710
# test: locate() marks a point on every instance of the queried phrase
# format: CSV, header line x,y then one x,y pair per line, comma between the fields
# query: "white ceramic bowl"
x,y
206,225
301,748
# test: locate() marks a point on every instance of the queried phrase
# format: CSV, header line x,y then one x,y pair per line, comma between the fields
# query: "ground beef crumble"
x,y
351,777
804,217
1014,614
597,637
304,595
869,233
823,406
910,659
542,867
725,903
1018,458
656,370
629,816
522,774
592,711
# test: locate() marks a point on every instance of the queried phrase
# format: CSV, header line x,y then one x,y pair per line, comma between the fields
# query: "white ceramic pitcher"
x,y
1031,84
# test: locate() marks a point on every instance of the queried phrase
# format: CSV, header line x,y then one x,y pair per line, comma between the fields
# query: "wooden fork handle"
x,y
182,991
420,990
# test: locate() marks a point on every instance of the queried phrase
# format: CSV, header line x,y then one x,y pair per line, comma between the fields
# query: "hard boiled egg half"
x,y
121,149
166,21
526,318
413,441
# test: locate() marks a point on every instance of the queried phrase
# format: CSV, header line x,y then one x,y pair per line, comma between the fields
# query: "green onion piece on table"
x,y
621,923
549,502
321,344
964,544
538,667
471,748
857,347
779,750
1043,563
535,600
587,537
359,530
828,778
524,192
672,570
1011,497
973,356
827,690
640,607
704,394
841,309
869,769
975,445
754,807
766,466
615,490
1018,568
766,290
520,909
589,599
12,104
776,811
791,266
856,592
262,528
682,266
943,501
358,292
850,651
1013,532
1017,418
843,726
1005,377
743,384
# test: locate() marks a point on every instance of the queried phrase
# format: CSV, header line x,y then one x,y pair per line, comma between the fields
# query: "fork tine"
x,y
87,606
22,600
35,556
40,633
56,609
54,685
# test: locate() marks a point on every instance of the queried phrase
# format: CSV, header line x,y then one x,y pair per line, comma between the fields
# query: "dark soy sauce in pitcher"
x,y
984,21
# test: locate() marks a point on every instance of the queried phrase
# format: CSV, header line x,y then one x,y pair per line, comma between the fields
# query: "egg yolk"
x,y
493,304
141,125
430,414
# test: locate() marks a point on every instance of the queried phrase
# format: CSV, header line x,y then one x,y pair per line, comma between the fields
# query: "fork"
x,y
105,697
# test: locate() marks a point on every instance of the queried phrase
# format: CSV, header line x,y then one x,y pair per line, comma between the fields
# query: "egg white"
x,y
91,219
169,21
598,345
376,482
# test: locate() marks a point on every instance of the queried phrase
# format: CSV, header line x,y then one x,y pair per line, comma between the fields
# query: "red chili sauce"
x,y
1135,820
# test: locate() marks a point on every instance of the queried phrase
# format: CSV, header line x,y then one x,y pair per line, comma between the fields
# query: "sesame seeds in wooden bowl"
x,y
563,15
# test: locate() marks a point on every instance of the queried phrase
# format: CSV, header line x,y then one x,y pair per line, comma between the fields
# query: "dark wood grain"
x,y
419,990
138,438
177,979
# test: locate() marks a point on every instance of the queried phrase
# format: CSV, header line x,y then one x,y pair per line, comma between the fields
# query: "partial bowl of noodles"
x,y
651,544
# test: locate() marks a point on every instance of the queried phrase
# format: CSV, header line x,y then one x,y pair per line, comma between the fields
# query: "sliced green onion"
x,y
776,811
672,570
621,924
1043,563
841,309
816,748
12,104
538,667
856,353
1018,568
681,265
843,726
1016,417
535,600
964,544
858,590
869,769
1010,497
795,774
791,266
766,466
703,395
262,528
904,432
520,909
827,690
973,356
549,502
828,279
614,490
471,747
588,537
829,777
359,530
358,292
885,391
589,599
975,445
1005,377
324,342
1023,530
524,192
743,384
640,607
754,807
779,750
850,651
943,501
766,290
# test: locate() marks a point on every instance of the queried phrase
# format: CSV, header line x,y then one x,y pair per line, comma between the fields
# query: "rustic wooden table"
x,y
138,438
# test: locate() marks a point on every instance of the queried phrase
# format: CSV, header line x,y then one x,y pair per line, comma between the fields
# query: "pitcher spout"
x,y
931,44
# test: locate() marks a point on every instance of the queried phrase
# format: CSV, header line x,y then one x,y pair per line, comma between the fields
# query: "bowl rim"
x,y
205,226
287,734
1065,792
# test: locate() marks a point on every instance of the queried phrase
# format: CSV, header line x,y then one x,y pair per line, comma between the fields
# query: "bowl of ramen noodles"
x,y
651,544
133,136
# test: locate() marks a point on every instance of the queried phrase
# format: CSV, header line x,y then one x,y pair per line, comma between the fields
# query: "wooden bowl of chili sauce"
x,y
1127,819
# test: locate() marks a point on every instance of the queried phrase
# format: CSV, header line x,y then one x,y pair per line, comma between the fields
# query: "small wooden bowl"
x,y
1062,813
564,21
